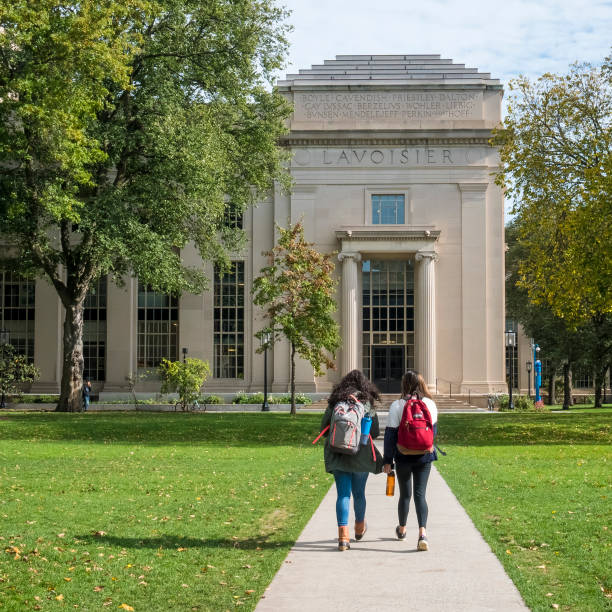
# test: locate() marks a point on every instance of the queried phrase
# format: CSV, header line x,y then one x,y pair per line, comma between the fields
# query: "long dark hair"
x,y
354,381
414,384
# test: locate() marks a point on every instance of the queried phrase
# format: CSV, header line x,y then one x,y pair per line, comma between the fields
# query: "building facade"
x,y
392,171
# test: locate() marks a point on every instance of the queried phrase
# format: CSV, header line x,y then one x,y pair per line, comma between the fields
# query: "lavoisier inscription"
x,y
387,106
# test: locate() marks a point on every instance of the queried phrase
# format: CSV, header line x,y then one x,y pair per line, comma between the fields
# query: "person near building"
x,y
86,394
351,471
412,470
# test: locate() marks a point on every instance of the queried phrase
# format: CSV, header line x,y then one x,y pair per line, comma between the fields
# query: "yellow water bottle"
x,y
390,483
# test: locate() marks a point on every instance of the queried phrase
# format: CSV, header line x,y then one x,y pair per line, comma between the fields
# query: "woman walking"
x,y
351,471
412,470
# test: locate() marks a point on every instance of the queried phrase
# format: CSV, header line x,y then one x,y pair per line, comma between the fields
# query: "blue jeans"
x,y
347,483
85,402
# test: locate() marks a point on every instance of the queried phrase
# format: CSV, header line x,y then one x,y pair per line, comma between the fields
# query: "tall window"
x,y
229,322
17,296
582,378
388,308
94,331
157,327
388,209
512,355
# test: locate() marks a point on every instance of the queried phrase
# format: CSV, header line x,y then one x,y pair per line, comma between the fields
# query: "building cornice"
x,y
388,233
379,138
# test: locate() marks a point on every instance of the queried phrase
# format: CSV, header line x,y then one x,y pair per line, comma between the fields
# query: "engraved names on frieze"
x,y
387,106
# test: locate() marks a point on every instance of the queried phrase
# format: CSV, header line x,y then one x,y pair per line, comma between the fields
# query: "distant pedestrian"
x,y
412,470
86,394
351,470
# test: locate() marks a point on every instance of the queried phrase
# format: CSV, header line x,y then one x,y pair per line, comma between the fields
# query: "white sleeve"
x,y
395,413
433,409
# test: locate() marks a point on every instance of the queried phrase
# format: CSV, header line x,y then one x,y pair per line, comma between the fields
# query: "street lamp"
x,y
184,354
510,343
529,364
5,335
265,339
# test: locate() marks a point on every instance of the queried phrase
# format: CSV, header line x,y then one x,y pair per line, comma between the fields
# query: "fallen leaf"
x,y
246,567
124,606
67,579
181,549
185,586
59,597
61,535
97,589
250,591
555,606
98,534
541,567
548,594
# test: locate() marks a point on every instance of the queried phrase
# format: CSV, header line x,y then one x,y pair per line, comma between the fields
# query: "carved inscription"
x,y
387,106
414,156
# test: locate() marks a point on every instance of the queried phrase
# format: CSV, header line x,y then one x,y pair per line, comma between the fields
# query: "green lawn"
x,y
537,486
151,511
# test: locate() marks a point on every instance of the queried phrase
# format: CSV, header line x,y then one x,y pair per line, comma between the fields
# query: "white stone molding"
x,y
350,310
426,316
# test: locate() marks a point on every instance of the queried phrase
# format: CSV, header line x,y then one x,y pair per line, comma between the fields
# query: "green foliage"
x,y
522,403
14,370
210,399
556,152
158,501
258,398
184,378
296,292
127,131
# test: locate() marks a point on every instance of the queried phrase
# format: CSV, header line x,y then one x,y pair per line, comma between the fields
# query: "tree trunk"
x,y
600,381
293,410
567,385
72,368
551,388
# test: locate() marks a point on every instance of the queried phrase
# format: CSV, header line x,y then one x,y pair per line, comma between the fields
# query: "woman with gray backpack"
x,y
350,423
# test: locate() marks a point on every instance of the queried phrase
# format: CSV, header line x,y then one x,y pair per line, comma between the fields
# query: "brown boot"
x,y
344,542
360,528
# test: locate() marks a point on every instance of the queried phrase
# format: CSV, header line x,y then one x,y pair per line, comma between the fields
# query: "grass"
x,y
537,486
151,511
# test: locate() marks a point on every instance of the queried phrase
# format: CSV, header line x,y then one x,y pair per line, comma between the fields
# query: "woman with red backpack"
x,y
411,427
351,467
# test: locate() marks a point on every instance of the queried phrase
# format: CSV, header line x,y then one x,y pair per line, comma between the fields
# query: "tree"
x,y
297,293
556,152
14,370
127,130
184,378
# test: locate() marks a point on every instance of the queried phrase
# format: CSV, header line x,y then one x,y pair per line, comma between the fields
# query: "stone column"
x,y
426,316
350,312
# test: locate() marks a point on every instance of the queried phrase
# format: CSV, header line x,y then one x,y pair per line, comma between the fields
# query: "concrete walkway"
x,y
458,573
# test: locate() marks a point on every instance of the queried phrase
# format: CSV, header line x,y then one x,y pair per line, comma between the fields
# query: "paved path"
x,y
458,573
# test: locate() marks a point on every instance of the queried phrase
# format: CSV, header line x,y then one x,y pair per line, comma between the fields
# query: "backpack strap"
x,y
373,451
319,436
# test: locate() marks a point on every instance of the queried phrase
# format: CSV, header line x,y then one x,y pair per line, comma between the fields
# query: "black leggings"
x,y
420,475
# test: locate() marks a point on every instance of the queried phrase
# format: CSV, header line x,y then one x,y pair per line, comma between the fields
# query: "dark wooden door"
x,y
388,368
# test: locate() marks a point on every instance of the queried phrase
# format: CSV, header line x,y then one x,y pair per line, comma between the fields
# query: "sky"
x,y
508,38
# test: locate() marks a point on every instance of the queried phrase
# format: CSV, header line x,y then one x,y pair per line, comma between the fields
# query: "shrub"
x,y
184,378
210,399
522,403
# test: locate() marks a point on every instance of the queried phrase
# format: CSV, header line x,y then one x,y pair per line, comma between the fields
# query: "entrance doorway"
x,y
388,368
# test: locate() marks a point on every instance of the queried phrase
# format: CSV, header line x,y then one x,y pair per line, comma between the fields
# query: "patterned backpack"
x,y
345,426
415,435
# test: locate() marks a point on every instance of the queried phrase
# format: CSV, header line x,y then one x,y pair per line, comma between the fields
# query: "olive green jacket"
x,y
363,460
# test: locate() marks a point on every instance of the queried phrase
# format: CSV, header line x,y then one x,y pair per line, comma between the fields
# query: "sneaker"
x,y
422,544
399,534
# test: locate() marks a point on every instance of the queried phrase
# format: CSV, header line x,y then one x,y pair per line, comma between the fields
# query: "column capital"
x,y
426,255
349,255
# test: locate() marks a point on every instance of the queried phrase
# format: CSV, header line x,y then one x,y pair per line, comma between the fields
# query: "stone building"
x,y
392,170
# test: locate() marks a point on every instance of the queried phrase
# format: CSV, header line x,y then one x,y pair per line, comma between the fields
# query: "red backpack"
x,y
415,435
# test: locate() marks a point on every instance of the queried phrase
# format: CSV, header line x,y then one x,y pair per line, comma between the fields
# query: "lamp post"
x,y
510,343
184,354
4,339
265,343
529,364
